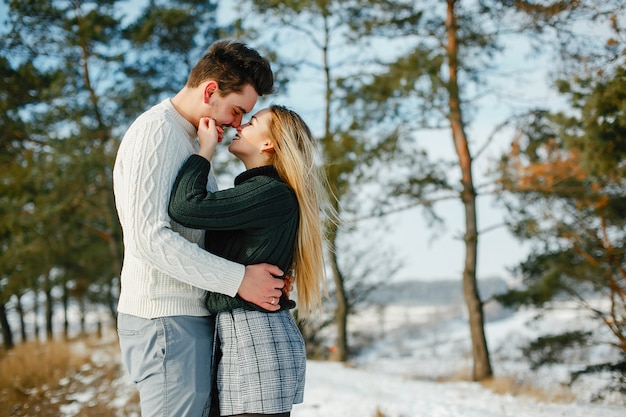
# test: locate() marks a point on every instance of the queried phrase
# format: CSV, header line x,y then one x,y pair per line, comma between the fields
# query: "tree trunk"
x,y
20,315
340,352
341,313
482,366
116,267
7,334
48,305
66,304
82,306
36,310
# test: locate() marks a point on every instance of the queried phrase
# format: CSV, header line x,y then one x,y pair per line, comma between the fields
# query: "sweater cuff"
x,y
197,161
232,278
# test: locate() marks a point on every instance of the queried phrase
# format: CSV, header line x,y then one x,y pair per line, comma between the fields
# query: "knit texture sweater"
x,y
256,221
165,271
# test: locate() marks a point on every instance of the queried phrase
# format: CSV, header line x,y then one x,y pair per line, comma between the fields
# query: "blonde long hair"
x,y
297,161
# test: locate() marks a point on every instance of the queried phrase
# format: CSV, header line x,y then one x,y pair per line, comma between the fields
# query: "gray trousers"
x,y
169,359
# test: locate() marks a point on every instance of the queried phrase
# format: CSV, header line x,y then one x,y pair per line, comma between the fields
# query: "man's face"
x,y
230,109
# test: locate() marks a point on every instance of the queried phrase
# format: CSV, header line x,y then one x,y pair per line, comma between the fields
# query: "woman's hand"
x,y
210,135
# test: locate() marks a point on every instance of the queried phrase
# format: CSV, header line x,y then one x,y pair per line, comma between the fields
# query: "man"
x,y
164,328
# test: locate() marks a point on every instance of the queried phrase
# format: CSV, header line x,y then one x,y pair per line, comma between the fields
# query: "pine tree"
x,y
77,73
564,180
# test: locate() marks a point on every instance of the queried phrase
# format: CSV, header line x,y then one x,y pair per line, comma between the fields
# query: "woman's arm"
x,y
253,203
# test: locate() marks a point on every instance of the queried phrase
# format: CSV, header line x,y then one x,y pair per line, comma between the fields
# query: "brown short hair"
x,y
233,65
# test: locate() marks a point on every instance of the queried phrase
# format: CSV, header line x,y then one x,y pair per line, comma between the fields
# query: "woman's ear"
x,y
267,146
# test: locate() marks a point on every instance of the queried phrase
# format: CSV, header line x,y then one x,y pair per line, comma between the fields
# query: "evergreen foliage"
x,y
73,75
564,182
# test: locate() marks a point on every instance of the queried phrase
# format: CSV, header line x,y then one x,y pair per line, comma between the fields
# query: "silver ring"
x,y
272,302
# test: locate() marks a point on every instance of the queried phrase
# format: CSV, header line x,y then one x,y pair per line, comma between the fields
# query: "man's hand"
x,y
259,286
288,284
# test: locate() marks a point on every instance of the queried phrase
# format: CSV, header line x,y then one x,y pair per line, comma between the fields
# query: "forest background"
x,y
380,82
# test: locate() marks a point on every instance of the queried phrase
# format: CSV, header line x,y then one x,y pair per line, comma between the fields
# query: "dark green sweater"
x,y
254,222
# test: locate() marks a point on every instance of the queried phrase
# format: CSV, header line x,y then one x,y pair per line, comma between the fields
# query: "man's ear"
x,y
209,89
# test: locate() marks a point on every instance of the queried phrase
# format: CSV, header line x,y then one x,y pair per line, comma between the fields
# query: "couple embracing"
x,y
204,317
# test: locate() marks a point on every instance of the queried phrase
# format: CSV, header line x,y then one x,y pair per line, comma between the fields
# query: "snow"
x,y
414,361
336,390
396,375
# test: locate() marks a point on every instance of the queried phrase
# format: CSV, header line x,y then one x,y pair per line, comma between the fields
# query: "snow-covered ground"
x,y
414,362
397,374
334,390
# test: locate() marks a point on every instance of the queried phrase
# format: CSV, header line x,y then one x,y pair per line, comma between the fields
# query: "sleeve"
x,y
250,204
150,156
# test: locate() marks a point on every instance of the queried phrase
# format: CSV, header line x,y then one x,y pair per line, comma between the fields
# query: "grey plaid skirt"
x,y
262,364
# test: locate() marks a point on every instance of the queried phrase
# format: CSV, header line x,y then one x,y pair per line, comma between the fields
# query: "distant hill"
x,y
440,292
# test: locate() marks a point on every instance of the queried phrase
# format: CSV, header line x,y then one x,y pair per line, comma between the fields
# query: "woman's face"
x,y
253,137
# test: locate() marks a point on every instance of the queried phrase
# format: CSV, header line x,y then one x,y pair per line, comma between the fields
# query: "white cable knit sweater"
x,y
165,272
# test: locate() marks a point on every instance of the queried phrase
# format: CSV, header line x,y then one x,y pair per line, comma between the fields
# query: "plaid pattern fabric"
x,y
263,362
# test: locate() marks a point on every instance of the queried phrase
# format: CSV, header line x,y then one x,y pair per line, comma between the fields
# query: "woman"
x,y
272,215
